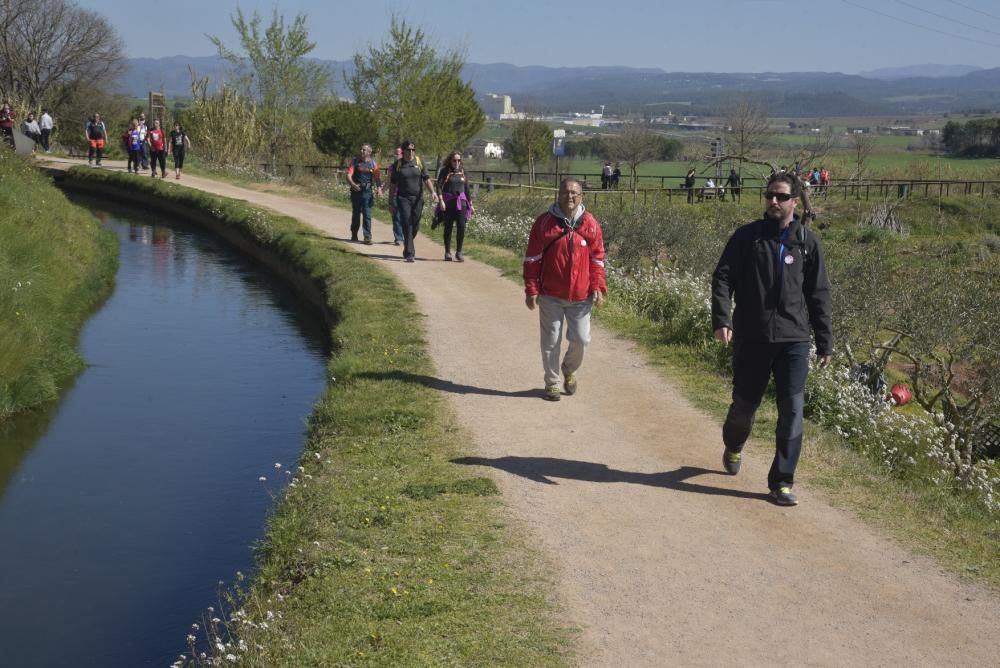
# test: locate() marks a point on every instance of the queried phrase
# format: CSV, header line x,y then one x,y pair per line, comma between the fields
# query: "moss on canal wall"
x,y
56,266
379,551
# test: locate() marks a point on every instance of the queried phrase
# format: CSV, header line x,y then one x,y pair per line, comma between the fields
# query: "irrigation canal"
x,y
124,505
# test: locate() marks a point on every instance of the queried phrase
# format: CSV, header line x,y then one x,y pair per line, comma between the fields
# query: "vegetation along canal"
x,y
124,506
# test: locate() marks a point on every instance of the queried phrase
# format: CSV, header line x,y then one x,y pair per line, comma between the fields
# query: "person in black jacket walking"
x,y
774,267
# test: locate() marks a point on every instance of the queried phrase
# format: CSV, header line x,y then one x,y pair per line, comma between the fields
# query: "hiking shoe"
x,y
396,242
458,257
569,383
732,461
368,242
447,257
409,258
783,497
354,237
552,393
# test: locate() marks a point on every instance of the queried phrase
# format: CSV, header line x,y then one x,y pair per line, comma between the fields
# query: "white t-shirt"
x,y
45,122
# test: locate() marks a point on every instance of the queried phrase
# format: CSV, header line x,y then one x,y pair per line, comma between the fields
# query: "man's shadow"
x,y
447,385
543,469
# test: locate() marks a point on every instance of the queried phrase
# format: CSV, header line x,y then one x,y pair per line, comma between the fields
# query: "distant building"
x,y
493,150
497,106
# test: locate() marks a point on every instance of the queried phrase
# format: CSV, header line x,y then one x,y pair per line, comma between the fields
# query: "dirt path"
x,y
659,558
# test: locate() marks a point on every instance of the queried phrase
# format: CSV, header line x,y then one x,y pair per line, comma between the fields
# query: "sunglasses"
x,y
409,148
781,197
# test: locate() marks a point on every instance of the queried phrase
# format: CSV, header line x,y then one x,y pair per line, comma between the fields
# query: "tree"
x,y
272,71
529,143
340,128
862,144
634,145
415,93
748,128
51,48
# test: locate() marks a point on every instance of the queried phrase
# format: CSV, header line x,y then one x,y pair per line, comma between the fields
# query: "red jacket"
x,y
562,261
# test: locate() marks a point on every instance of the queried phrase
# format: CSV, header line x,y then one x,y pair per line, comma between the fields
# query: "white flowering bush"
x,y
920,447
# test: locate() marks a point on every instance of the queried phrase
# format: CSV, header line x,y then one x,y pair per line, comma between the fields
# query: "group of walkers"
x,y
148,147
408,179
770,292
39,130
774,271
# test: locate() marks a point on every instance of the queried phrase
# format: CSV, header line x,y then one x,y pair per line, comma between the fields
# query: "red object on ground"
x,y
901,394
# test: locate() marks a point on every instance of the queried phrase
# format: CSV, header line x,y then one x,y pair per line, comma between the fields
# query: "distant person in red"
x,y
179,143
7,118
157,141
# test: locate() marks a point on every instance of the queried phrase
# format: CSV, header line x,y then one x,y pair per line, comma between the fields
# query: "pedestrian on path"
x,y
179,144
46,124
564,277
96,135
775,268
365,182
456,203
133,144
410,178
156,140
397,226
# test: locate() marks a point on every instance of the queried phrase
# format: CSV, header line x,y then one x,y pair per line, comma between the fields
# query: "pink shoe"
x,y
178,177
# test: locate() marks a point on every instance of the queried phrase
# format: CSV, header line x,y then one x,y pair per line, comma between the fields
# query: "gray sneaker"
x,y
569,382
783,497
732,461
552,393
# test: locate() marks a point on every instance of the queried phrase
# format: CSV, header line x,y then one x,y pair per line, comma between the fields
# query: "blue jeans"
x,y
397,225
361,206
753,365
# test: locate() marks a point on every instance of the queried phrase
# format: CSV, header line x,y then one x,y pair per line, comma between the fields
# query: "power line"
x,y
947,18
922,27
973,9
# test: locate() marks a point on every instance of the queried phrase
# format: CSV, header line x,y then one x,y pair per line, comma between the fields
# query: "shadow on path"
x,y
447,385
542,469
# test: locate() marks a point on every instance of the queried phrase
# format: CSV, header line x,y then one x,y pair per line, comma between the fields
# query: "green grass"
x,y
56,267
383,552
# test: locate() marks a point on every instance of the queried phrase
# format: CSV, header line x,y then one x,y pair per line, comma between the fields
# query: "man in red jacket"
x,y
564,277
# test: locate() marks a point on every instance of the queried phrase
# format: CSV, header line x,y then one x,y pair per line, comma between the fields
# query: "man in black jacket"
x,y
774,267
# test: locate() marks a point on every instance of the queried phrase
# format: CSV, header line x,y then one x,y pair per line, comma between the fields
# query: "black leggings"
x,y
134,159
450,217
158,157
178,158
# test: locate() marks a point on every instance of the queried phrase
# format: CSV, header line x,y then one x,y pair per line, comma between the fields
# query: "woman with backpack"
x,y
410,178
455,206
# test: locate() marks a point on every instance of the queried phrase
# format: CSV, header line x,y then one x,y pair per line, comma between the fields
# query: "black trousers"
x,y
453,218
45,138
410,209
158,158
753,365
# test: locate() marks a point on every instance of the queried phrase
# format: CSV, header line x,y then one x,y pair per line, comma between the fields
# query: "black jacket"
x,y
767,309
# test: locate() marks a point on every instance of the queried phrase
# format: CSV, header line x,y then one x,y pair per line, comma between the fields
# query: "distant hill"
x,y
917,71
630,89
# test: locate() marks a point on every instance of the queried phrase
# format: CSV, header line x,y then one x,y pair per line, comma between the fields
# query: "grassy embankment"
x,y
56,267
381,552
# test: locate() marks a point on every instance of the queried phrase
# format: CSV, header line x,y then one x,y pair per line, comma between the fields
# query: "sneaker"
x,y
368,242
396,242
447,257
552,393
458,257
409,258
569,383
354,237
178,177
732,461
783,496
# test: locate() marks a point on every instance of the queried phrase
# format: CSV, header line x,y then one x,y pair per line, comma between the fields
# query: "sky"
x,y
847,36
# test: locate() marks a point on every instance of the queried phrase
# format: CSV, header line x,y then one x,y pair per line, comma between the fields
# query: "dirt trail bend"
x,y
661,559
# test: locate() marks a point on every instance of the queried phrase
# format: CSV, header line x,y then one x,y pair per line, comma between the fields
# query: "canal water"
x,y
123,506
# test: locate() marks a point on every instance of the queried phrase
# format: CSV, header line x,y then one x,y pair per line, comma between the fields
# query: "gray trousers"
x,y
551,314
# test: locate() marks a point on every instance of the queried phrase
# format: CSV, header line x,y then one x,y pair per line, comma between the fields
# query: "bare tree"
x,y
49,48
634,145
748,128
862,144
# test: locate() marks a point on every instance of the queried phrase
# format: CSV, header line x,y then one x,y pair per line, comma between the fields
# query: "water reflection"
x,y
122,509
